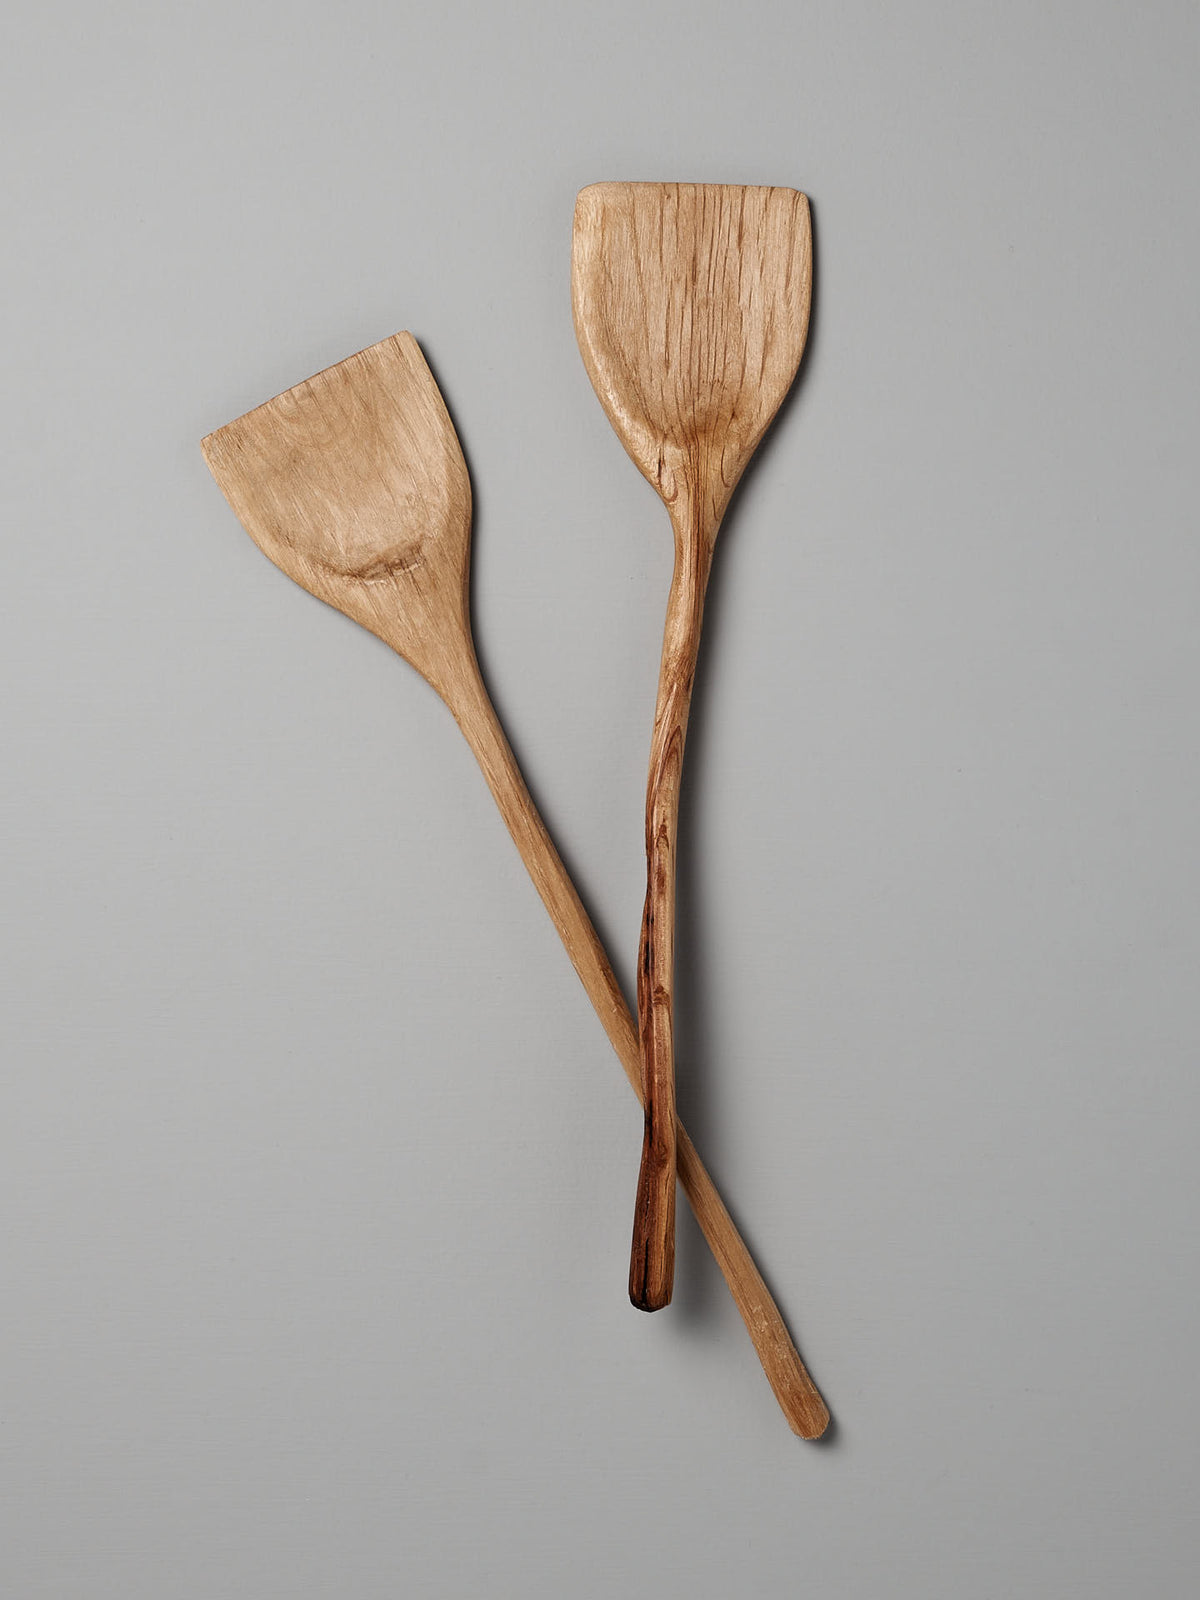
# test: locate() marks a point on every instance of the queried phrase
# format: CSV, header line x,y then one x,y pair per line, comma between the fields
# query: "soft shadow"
x,y
831,1439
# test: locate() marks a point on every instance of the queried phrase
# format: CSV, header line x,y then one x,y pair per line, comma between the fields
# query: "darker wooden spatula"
x,y
691,309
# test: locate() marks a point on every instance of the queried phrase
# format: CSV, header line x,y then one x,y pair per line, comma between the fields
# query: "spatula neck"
x,y
696,506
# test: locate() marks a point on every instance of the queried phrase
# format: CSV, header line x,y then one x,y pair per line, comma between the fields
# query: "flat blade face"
x,y
691,309
354,484
356,473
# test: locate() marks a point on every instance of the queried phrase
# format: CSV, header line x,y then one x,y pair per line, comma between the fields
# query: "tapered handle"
x,y
794,1389
652,1257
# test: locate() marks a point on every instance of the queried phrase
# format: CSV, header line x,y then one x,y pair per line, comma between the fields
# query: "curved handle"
x,y
652,1257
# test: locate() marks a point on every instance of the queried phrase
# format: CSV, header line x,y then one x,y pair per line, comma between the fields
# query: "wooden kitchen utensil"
x,y
691,309
354,484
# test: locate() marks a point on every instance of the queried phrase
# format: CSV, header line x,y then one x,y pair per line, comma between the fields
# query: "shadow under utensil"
x,y
698,1069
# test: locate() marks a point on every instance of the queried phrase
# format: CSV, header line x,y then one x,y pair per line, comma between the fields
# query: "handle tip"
x,y
647,1292
652,1257
812,1421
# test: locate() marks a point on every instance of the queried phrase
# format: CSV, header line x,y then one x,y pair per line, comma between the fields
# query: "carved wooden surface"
x,y
691,309
354,484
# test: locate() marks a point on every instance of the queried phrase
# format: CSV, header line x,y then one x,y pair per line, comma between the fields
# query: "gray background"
x,y
317,1170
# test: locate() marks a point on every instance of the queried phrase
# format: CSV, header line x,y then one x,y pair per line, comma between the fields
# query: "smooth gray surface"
x,y
317,1170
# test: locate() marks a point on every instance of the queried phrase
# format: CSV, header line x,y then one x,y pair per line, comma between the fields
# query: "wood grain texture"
x,y
691,308
354,484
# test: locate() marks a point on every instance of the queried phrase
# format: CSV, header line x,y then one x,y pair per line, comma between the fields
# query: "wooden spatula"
x,y
355,485
691,309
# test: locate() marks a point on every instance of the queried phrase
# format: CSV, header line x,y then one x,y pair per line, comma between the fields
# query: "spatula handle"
x,y
652,1257
794,1389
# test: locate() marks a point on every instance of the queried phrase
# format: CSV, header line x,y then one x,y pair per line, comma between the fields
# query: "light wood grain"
x,y
691,308
355,485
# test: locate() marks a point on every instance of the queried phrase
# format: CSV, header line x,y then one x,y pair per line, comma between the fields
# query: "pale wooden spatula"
x,y
355,485
691,309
